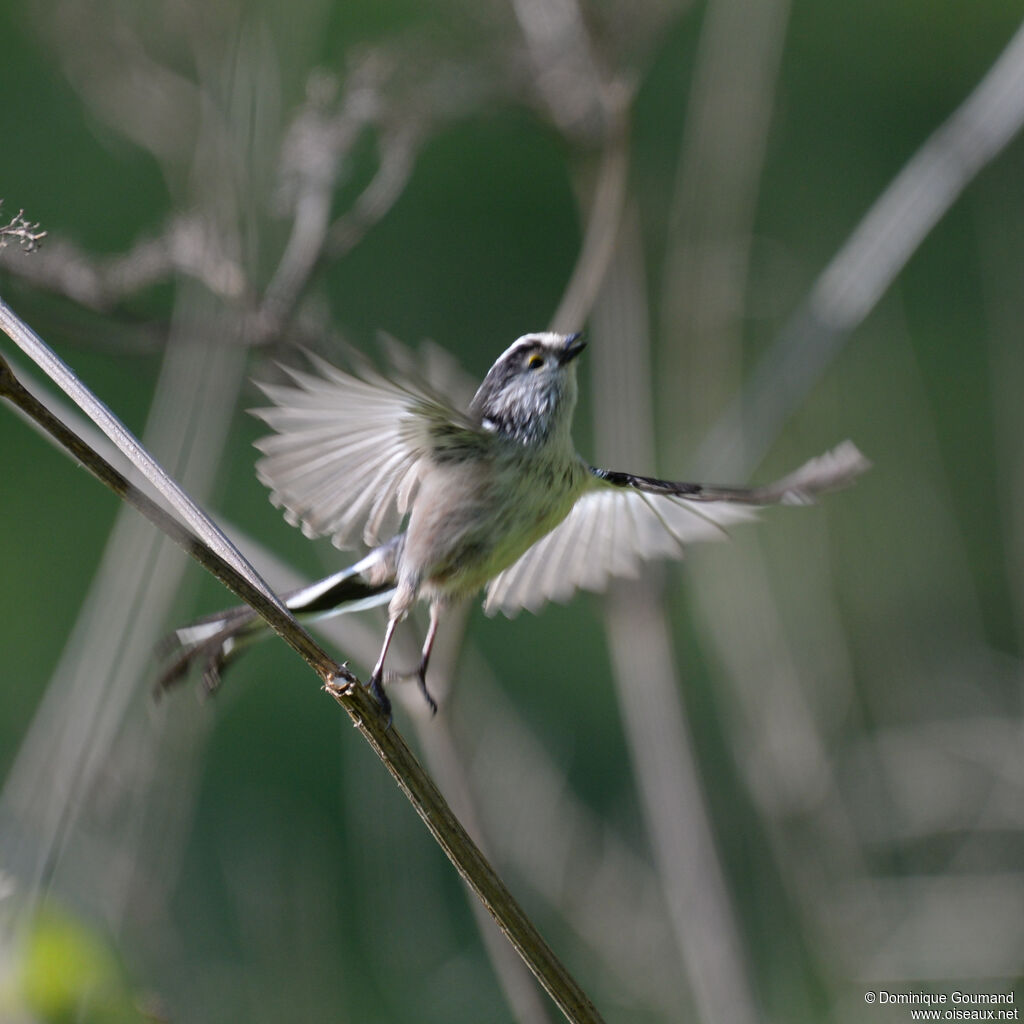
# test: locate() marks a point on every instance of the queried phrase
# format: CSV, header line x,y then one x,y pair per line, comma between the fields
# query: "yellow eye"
x,y
535,362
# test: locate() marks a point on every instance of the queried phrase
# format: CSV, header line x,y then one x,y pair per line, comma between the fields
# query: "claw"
x,y
377,692
421,678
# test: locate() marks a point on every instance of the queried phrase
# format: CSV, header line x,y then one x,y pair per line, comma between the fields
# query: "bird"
x,y
454,497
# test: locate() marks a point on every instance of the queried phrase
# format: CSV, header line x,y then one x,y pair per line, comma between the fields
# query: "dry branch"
x,y
235,572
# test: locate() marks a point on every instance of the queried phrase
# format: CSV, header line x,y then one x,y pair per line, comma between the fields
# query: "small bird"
x,y
490,494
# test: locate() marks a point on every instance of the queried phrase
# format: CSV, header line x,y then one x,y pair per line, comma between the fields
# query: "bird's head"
x,y
530,392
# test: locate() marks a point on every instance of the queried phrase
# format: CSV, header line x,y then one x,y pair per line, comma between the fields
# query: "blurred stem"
x,y
711,216
439,748
867,263
341,684
603,220
693,882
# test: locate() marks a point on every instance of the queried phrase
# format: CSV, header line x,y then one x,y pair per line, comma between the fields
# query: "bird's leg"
x,y
428,645
375,684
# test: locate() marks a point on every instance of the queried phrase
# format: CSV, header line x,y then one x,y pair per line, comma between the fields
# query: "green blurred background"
x,y
840,809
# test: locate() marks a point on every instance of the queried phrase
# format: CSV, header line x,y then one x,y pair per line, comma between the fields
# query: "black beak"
x,y
574,345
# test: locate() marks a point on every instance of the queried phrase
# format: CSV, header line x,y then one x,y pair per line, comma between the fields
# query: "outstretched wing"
x,y
350,447
625,520
610,532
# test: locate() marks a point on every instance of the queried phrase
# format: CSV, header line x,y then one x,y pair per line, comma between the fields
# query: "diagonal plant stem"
x,y
241,585
860,273
236,573
196,520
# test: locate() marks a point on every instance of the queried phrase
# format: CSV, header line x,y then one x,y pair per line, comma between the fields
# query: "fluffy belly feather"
x,y
514,504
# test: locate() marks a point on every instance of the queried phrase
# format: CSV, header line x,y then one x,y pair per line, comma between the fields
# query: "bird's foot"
x,y
421,678
421,681
376,688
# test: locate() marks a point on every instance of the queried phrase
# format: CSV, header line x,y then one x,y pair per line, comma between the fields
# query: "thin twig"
x,y
398,149
24,232
604,217
186,245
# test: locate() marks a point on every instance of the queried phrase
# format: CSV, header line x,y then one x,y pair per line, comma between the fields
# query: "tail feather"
x,y
212,642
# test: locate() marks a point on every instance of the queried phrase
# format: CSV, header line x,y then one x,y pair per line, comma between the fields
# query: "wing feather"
x,y
625,520
349,448
610,532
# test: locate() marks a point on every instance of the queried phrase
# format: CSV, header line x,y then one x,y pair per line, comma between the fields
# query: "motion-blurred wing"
x,y
627,520
609,533
350,447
